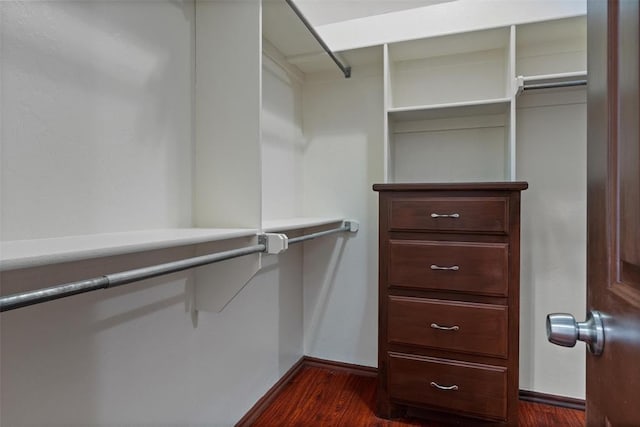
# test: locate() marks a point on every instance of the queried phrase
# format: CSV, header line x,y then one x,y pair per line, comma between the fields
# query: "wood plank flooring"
x,y
323,397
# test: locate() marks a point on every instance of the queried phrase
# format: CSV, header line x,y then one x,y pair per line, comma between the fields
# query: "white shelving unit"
x,y
450,101
455,111
222,188
250,174
448,108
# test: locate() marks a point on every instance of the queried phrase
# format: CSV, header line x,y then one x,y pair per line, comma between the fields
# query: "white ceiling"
x,y
320,12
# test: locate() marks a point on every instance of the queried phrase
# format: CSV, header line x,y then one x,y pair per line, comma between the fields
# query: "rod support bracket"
x,y
519,85
351,226
274,242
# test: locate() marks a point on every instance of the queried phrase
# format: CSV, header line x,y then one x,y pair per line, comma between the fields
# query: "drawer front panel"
x,y
450,325
454,214
480,268
473,389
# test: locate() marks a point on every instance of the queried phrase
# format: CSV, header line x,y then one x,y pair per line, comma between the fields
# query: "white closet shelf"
x,y
282,28
317,62
454,109
38,252
298,223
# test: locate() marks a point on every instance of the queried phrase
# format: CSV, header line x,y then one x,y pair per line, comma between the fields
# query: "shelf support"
x,y
274,242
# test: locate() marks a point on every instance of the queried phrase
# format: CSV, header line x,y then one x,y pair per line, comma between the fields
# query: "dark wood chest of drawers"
x,y
449,300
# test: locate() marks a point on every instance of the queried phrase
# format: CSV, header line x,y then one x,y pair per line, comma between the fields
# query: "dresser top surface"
x,y
453,186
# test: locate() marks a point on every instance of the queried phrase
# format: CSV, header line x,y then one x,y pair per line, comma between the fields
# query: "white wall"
x,y
89,89
552,157
227,114
282,143
343,158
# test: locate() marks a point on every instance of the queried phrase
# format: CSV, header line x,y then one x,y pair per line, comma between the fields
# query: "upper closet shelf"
x,y
289,224
557,77
33,253
455,109
287,29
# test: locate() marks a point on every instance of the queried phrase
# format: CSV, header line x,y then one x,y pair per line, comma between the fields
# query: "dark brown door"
x,y
613,210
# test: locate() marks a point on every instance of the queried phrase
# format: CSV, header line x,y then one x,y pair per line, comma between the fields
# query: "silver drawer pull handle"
x,y
445,328
454,215
443,387
452,268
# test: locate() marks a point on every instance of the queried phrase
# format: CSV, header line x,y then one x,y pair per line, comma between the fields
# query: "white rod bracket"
x,y
351,226
275,243
519,86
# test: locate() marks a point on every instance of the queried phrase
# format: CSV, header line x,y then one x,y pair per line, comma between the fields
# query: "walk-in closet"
x,y
138,133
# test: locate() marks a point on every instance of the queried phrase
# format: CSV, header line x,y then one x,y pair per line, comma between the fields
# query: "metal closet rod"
x,y
533,86
346,70
24,299
344,227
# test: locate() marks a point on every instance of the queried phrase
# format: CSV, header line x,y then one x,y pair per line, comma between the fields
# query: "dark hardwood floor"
x,y
323,397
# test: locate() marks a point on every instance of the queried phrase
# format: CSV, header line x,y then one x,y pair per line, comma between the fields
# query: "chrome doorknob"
x,y
562,329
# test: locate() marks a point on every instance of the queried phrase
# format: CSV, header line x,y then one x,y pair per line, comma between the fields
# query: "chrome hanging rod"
x,y
550,85
25,299
346,226
346,69
269,243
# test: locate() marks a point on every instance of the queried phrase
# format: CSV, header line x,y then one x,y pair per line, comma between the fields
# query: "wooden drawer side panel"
x,y
482,268
473,328
467,214
481,389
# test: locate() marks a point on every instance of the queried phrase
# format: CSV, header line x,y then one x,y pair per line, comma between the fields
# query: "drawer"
x,y
479,268
449,325
469,388
452,214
